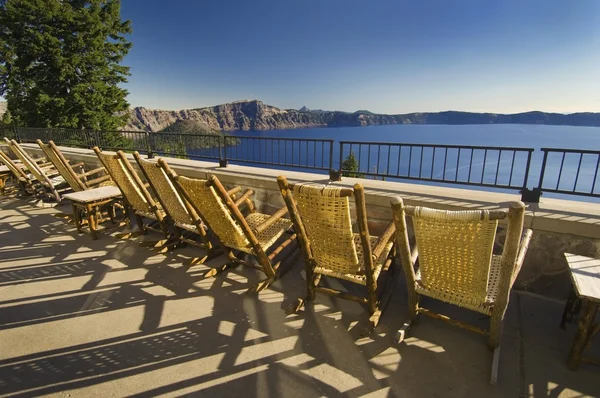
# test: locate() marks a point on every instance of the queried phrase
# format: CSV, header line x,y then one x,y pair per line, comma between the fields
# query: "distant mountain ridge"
x,y
255,115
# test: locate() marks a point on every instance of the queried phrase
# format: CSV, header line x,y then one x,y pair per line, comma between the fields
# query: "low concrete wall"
x,y
559,226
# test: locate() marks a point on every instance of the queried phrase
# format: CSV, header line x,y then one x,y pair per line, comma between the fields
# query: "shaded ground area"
x,y
113,318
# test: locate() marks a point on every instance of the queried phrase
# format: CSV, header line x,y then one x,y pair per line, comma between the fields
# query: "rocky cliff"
x,y
255,115
242,115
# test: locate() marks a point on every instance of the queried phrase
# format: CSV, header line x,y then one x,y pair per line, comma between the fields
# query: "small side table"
x,y
90,202
585,275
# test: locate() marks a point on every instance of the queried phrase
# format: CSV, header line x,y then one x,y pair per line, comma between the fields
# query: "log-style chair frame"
x,y
25,184
224,218
379,274
77,181
51,182
92,213
137,199
182,216
462,271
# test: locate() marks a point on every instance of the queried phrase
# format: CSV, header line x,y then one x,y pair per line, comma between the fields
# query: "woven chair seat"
x,y
360,277
56,181
466,301
107,183
269,236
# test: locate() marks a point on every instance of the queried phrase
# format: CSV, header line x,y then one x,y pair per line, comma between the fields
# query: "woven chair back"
x,y
168,196
211,208
326,218
455,251
125,181
17,172
64,170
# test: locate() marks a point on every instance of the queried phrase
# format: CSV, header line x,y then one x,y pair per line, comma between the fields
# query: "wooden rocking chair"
x,y
321,217
26,185
77,181
255,234
136,197
183,218
456,263
51,183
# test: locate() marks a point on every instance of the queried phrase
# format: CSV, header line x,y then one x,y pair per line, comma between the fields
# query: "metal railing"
x,y
570,171
486,166
303,153
555,170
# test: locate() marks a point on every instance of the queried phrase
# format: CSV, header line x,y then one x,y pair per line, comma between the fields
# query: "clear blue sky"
x,y
386,56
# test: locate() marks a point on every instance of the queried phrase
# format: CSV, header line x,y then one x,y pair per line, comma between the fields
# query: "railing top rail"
x,y
80,130
503,148
279,138
215,136
562,150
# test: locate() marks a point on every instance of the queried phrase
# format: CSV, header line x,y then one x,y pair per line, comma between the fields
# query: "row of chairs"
x,y
453,258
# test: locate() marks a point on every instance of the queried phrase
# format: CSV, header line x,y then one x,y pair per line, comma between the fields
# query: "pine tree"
x,y
350,166
60,62
7,120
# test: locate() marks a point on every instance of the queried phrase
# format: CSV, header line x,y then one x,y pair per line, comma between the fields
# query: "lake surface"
x,y
493,167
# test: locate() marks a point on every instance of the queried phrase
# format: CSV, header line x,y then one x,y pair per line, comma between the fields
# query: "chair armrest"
x,y
524,245
383,240
80,164
245,199
233,191
98,180
271,220
91,172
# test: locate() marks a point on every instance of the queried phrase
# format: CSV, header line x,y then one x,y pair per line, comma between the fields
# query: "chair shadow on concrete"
x,y
206,336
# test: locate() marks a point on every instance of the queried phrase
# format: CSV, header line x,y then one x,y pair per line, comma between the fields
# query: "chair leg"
x,y
77,218
413,312
495,330
312,280
140,223
384,296
91,212
402,332
495,366
262,285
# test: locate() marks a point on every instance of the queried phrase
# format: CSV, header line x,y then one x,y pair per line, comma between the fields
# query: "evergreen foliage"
x,y
60,63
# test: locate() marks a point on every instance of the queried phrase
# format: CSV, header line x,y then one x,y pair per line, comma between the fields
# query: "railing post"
x,y
150,152
97,138
16,132
533,195
223,153
335,175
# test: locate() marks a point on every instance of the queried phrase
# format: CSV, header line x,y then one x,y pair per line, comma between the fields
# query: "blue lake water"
x,y
493,168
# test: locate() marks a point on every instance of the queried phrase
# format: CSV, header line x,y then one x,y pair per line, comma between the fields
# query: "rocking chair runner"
x,y
321,217
137,198
457,265
255,235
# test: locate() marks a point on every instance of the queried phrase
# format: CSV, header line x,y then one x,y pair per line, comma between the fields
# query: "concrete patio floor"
x,y
112,318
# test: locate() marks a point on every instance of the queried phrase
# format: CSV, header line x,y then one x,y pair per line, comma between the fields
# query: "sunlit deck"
x,y
113,318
